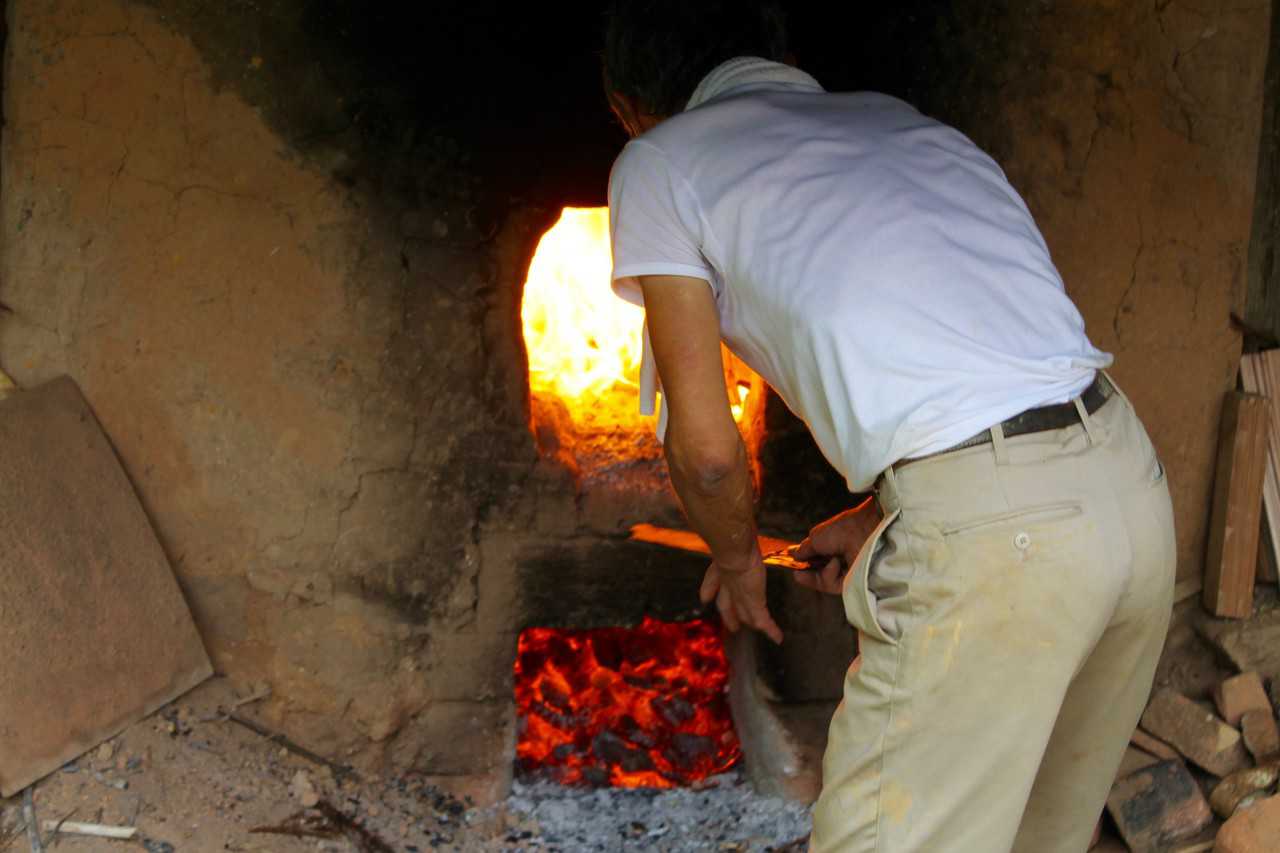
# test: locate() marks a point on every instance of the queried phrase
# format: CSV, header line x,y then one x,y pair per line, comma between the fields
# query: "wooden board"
x,y
94,629
1260,374
1232,562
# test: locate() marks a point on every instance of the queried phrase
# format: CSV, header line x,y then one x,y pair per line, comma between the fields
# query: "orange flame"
x,y
582,339
642,707
584,343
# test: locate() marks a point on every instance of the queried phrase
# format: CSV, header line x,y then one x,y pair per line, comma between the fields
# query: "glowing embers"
x,y
629,707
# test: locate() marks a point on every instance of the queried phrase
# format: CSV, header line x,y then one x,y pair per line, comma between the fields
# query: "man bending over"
x,y
1012,583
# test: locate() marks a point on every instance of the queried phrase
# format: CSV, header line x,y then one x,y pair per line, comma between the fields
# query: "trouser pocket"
x,y
859,602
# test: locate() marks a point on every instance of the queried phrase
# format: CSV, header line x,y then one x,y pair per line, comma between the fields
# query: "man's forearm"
x,y
719,502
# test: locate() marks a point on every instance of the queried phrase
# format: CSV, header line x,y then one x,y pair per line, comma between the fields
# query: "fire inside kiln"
x,y
584,348
629,707
640,705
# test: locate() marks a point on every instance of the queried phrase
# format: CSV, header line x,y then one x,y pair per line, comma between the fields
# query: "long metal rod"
x,y
29,815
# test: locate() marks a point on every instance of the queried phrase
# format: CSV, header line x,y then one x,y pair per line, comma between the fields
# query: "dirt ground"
x,y
194,781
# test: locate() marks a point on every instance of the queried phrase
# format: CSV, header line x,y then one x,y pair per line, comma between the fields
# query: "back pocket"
x,y
1030,515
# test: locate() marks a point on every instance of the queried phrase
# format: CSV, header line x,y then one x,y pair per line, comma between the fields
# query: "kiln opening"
x,y
585,349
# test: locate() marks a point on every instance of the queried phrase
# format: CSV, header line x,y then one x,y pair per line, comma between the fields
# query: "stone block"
x,y
1135,760
1237,788
1195,732
1252,646
1261,738
1158,806
1252,830
1239,694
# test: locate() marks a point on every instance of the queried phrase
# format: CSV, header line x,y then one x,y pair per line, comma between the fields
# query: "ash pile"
x,y
722,813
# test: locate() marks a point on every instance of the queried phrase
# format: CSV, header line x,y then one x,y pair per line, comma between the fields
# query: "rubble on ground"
x,y
193,781
1211,726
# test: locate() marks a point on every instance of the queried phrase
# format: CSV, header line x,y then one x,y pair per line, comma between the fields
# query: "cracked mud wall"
x,y
1132,130
313,394
1138,157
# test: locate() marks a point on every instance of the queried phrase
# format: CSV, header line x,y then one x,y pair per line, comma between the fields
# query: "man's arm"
x,y
704,450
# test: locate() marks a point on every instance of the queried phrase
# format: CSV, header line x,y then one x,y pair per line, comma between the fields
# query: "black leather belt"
x,y
1039,419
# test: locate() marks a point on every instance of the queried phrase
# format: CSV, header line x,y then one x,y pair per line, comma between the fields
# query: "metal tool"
x,y
778,553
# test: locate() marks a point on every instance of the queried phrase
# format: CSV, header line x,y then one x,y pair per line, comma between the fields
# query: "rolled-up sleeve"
x,y
655,224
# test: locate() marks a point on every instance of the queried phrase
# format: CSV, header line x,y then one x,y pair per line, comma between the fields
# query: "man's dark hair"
x,y
657,51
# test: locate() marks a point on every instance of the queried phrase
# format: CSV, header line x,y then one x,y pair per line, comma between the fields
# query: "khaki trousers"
x,y
1011,610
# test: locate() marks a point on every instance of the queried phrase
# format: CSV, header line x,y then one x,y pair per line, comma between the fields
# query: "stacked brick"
x,y
1183,749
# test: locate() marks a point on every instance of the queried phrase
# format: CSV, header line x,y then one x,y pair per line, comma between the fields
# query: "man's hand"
x,y
739,596
705,453
840,538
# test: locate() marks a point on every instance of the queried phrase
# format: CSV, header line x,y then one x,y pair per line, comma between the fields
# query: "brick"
x,y
1252,830
1252,646
1135,760
1237,695
1196,733
1228,794
1261,738
1158,806
1153,745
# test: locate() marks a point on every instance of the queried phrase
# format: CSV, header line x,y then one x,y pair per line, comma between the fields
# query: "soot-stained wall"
x,y
305,364
279,244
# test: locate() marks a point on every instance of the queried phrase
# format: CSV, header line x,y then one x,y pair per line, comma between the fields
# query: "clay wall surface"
x,y
308,392
1137,153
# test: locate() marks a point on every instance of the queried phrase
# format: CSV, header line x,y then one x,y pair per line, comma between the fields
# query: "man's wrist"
x,y
739,563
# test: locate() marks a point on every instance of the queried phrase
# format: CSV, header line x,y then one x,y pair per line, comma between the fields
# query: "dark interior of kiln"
x,y
283,246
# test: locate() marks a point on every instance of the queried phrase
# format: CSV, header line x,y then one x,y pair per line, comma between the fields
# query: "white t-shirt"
x,y
873,265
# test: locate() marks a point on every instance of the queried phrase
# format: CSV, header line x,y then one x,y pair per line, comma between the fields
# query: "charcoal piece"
x,y
612,749
673,709
595,776
555,697
687,749
609,748
632,732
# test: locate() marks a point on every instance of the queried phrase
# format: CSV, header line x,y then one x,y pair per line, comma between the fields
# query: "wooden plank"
x,y
1260,374
96,634
1269,569
1231,566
